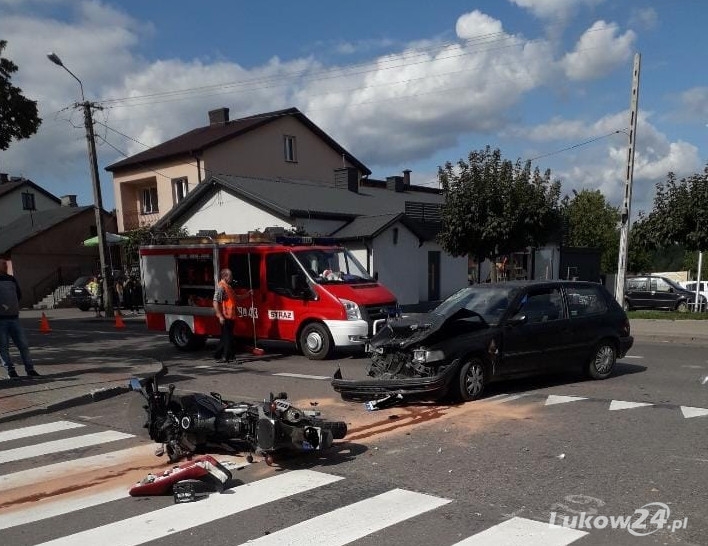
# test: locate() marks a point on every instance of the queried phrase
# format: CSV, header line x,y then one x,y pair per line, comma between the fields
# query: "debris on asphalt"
x,y
205,469
385,402
561,456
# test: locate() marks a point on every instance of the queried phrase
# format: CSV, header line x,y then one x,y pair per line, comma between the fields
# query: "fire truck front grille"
x,y
375,312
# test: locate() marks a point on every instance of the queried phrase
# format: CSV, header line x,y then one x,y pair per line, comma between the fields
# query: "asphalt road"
x,y
533,448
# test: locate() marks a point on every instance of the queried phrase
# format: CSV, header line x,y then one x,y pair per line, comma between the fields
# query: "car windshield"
x,y
490,302
332,266
673,284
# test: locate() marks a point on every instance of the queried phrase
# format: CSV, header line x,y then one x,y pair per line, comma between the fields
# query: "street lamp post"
x,y
97,199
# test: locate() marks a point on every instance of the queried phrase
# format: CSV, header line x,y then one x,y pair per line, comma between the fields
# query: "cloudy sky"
x,y
400,84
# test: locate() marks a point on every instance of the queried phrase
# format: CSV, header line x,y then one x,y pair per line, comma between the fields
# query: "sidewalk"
x,y
66,380
79,365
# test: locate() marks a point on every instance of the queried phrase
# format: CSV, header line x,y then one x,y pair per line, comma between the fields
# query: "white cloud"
x,y
645,18
602,164
396,110
598,51
693,105
545,9
477,25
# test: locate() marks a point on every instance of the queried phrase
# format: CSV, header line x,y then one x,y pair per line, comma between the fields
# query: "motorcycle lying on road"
x,y
186,424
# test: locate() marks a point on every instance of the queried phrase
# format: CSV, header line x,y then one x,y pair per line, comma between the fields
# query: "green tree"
x,y
680,214
592,222
494,207
18,114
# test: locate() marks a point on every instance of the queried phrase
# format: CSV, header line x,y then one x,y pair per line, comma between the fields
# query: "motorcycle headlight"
x,y
422,356
352,309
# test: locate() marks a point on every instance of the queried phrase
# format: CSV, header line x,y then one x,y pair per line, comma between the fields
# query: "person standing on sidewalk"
x,y
10,327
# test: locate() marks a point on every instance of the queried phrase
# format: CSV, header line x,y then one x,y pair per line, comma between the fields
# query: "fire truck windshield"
x,y
336,266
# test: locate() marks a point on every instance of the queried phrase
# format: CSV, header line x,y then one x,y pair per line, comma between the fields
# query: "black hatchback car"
x,y
488,332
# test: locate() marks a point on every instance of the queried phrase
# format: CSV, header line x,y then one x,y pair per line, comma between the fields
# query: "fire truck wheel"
x,y
183,338
315,342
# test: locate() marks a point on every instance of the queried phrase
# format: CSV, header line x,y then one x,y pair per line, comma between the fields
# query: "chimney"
x,y
68,200
407,178
3,178
395,183
220,116
347,177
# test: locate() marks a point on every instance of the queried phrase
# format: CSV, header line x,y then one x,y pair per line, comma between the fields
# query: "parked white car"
x,y
691,285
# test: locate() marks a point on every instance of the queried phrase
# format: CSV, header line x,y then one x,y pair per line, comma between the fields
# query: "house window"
x,y
28,201
290,148
149,200
179,189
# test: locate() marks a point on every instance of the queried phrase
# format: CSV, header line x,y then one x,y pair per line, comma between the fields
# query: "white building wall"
x,y
453,271
227,213
11,204
398,266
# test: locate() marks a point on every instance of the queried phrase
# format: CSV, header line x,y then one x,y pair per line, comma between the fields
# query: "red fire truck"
x,y
298,289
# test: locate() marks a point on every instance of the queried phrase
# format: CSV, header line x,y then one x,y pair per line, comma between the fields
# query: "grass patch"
x,y
666,315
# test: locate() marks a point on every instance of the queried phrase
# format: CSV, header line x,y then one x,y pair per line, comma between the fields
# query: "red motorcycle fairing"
x,y
204,468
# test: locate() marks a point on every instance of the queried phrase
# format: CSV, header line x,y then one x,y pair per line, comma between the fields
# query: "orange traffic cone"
x,y
119,320
44,325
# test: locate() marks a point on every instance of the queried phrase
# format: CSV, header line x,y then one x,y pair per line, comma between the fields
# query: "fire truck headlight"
x,y
352,309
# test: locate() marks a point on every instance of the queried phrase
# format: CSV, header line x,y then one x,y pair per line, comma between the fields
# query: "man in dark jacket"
x,y
10,296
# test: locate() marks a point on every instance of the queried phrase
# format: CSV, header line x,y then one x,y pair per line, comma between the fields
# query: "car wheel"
x,y
603,360
682,307
84,306
315,341
626,306
472,379
182,337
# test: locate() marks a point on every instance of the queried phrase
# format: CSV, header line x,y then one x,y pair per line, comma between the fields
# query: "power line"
x,y
325,73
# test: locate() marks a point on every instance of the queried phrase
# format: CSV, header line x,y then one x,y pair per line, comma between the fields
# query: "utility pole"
x,y
98,206
106,272
627,204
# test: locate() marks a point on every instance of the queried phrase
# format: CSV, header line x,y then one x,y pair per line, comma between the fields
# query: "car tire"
x,y
84,306
315,341
682,307
626,306
472,379
602,362
182,337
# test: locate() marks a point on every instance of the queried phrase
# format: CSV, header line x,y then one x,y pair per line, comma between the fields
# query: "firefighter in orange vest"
x,y
225,308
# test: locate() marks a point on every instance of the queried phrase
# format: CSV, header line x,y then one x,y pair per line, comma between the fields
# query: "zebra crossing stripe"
x,y
74,466
27,432
49,509
355,521
57,446
180,517
523,532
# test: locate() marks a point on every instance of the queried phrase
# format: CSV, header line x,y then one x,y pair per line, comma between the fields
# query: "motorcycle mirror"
x,y
135,385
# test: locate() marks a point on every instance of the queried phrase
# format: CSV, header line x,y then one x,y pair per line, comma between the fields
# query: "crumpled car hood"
x,y
412,329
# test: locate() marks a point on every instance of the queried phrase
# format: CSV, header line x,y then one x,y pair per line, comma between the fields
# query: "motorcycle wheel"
x,y
337,428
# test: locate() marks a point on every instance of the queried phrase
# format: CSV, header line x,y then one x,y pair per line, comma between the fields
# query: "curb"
x,y
80,400
682,340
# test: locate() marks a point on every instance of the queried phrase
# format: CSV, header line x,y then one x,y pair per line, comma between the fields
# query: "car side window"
x,y
584,301
637,284
660,285
542,306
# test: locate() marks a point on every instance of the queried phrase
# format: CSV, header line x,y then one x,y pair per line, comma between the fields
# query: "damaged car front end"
x,y
448,351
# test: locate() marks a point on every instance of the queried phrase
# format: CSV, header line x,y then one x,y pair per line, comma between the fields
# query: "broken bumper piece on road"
x,y
410,388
